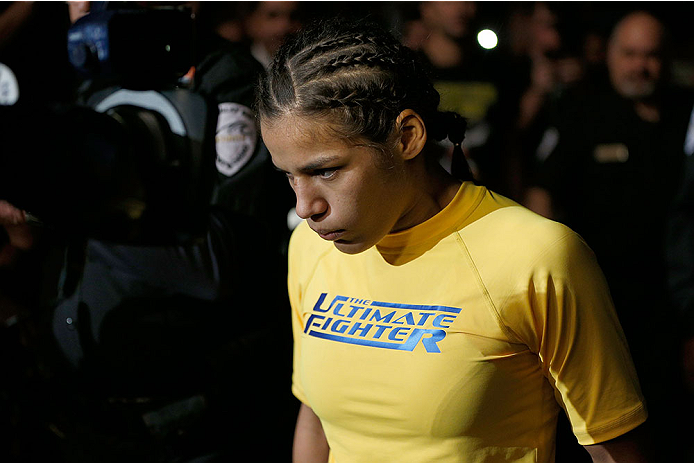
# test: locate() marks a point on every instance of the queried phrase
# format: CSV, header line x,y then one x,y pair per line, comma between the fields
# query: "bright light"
x,y
487,39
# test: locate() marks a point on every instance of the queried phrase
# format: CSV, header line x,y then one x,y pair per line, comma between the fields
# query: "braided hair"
x,y
359,76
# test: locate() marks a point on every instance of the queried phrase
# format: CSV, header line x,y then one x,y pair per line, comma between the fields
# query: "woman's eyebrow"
x,y
319,163
314,165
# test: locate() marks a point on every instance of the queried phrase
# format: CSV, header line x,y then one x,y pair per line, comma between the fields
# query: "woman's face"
x,y
348,194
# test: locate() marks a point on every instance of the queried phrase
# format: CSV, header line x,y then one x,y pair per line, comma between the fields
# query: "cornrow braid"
x,y
350,99
358,75
351,39
366,58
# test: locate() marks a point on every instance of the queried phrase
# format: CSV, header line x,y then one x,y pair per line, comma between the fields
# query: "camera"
x,y
132,161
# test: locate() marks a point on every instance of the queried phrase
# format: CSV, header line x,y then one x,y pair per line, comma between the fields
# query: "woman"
x,y
433,320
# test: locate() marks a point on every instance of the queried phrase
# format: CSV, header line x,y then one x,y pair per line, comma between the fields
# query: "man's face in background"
x,y
634,56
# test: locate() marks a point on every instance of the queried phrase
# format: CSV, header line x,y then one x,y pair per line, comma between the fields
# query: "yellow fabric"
x,y
458,340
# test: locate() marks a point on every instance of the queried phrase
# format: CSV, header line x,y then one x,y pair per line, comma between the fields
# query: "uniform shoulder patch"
x,y
236,138
9,88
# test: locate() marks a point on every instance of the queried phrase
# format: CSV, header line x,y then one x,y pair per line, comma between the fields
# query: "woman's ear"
x,y
413,134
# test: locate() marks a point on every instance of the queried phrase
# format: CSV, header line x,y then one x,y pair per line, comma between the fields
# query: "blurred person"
x,y
610,165
433,319
450,27
549,69
156,347
542,63
266,24
465,74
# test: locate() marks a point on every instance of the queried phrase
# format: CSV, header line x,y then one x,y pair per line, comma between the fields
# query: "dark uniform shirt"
x,y
613,175
201,318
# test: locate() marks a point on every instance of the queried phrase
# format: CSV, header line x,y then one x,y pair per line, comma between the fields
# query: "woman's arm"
x,y
310,445
632,447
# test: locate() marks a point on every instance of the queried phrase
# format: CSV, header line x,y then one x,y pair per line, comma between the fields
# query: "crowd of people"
x,y
116,351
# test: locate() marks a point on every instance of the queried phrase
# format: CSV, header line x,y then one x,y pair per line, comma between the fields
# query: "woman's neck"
x,y
435,190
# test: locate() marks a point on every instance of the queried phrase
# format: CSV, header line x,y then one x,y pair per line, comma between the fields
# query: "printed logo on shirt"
x,y
384,325
236,137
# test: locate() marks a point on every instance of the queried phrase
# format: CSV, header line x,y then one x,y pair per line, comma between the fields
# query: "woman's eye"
x,y
326,173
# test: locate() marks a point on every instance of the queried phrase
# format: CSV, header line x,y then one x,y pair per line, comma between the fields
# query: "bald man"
x,y
609,166
635,53
635,62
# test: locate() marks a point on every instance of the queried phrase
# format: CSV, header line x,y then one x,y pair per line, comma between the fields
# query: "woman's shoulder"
x,y
516,234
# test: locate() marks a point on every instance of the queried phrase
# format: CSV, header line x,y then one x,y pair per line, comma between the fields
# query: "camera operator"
x,y
162,343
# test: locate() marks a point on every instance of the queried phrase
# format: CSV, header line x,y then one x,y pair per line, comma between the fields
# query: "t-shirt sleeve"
x,y
566,316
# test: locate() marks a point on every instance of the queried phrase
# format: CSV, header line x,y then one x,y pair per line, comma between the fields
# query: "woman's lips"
x,y
331,235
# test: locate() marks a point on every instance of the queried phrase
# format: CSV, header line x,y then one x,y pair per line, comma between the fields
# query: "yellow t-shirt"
x,y
459,339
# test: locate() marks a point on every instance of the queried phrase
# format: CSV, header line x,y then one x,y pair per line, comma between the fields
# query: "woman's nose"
x,y
308,202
